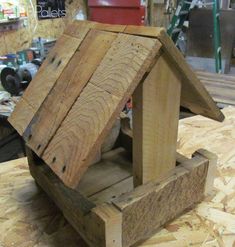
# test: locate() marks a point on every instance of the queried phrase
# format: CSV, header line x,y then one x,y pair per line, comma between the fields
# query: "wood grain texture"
x,y
74,28
156,105
110,170
153,32
21,115
67,88
125,64
112,222
75,143
93,114
96,227
112,192
45,79
150,206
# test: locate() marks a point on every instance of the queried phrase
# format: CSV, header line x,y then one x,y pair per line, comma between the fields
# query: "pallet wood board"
x,y
45,79
68,87
66,123
29,219
158,95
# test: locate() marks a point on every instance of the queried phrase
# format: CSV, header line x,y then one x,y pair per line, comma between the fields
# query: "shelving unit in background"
x,y
13,24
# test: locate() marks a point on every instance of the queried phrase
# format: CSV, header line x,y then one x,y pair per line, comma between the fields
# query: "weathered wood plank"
x,y
68,87
125,64
45,79
104,174
112,192
150,206
111,218
99,226
74,28
21,115
83,131
152,32
76,142
156,105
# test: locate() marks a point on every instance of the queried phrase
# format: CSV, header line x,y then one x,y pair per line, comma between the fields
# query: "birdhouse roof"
x,y
83,85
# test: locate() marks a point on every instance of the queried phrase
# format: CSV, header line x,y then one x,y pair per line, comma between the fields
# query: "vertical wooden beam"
x,y
156,104
151,12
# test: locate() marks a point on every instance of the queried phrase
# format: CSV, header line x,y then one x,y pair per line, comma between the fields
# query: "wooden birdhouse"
x,y
70,107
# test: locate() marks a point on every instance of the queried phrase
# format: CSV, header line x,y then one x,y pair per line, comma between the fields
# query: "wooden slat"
x,y
74,28
118,69
110,170
75,143
45,79
153,32
112,192
155,122
111,219
95,111
68,87
150,206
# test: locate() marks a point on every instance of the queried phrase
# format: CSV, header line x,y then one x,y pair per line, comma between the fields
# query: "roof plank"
x,y
68,87
45,79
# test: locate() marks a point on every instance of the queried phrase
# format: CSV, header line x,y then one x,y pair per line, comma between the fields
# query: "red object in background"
x,y
124,12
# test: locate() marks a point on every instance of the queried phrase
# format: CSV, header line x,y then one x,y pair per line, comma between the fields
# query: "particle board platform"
x,y
221,87
28,218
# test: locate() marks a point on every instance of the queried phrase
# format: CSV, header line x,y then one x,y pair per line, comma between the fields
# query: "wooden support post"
x,y
156,104
151,12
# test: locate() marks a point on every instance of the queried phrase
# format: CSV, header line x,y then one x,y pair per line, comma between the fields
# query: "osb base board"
x,y
28,218
128,215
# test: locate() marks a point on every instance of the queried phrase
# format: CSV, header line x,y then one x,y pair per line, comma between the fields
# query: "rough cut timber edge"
x,y
133,216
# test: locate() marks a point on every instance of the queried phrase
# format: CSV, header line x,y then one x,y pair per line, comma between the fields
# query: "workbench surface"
x,y
28,218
